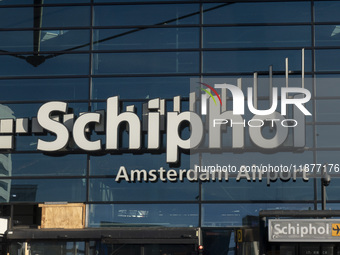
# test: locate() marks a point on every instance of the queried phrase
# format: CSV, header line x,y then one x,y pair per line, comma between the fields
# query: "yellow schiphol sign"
x,y
336,229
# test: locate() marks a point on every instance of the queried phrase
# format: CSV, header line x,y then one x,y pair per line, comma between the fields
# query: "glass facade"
x,y
84,51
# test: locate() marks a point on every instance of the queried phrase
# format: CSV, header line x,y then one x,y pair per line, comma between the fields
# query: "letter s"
x,y
277,229
53,126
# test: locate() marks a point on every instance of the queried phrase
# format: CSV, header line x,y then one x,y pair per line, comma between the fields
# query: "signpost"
x,y
304,230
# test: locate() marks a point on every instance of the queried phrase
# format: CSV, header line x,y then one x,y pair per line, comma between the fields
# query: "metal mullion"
x,y
88,157
314,103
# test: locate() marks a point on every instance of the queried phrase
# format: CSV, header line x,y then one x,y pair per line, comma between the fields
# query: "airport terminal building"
x,y
169,127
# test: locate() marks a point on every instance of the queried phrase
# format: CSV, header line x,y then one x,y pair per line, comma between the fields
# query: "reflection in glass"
x,y
327,35
166,215
226,215
48,190
24,17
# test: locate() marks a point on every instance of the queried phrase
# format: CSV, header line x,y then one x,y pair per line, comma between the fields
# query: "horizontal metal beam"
x,y
112,235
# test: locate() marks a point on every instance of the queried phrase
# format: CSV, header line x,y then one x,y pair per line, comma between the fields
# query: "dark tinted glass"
x,y
327,10
16,17
327,60
16,41
66,16
49,89
140,87
148,38
23,17
253,61
137,15
257,36
49,64
327,35
44,190
228,13
110,190
148,63
44,165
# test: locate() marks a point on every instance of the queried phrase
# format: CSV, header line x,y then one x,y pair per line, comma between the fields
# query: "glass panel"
x,y
17,2
140,87
110,164
168,215
329,157
277,182
66,16
244,190
328,110
10,2
131,15
328,136
253,61
327,60
49,89
16,40
43,165
259,36
64,40
327,11
43,190
111,190
51,64
231,13
224,215
139,63
327,35
16,17
146,38
327,85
